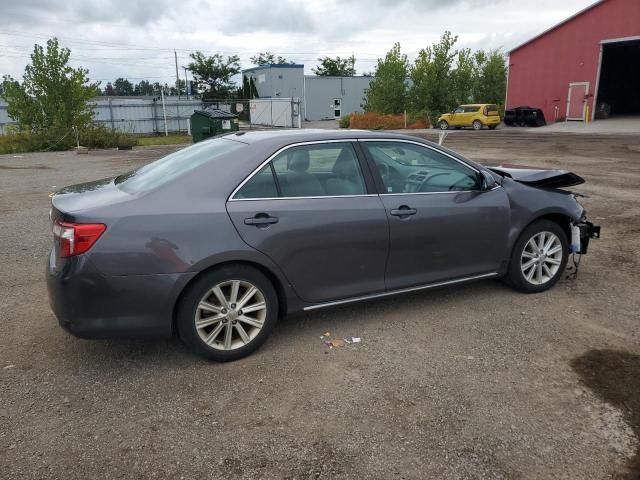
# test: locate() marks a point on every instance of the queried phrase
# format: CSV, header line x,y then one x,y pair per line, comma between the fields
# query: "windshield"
x,y
168,168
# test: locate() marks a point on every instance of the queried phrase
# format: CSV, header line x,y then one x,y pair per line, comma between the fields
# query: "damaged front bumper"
x,y
584,231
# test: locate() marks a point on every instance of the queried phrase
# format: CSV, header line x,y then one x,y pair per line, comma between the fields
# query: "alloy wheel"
x,y
541,258
230,315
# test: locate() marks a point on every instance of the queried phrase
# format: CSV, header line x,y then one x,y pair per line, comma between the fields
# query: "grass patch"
x,y
162,140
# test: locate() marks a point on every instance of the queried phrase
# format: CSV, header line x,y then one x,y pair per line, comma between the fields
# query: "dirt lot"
x,y
472,382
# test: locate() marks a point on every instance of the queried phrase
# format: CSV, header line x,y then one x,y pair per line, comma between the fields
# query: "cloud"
x,y
136,38
255,16
134,12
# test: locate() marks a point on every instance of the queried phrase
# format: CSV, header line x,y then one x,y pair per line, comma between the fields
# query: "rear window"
x,y
168,168
471,108
491,110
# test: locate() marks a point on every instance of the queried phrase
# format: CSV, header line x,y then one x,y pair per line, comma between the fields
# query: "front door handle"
x,y
403,211
261,219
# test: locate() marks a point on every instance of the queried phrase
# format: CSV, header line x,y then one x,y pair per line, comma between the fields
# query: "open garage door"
x,y
619,82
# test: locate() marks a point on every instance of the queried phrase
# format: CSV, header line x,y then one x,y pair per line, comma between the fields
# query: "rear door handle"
x,y
261,219
403,211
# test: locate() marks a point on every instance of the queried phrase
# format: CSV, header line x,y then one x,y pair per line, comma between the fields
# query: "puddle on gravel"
x,y
32,167
614,376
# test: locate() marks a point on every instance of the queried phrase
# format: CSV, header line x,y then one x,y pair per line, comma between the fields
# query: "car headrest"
x,y
345,165
299,162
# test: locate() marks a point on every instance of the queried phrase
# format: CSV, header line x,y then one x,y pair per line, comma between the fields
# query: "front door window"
x,y
410,168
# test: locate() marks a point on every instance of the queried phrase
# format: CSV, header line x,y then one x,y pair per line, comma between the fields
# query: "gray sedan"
x,y
219,240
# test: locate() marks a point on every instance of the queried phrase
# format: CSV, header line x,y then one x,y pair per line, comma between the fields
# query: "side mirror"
x,y
487,182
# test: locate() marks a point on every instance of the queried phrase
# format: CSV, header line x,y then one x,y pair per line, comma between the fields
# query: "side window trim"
x,y
380,187
269,161
276,180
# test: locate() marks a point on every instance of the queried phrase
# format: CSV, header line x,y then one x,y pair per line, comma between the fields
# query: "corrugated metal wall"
x,y
136,115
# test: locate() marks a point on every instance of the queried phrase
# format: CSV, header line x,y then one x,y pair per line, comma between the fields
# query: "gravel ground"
x,y
466,383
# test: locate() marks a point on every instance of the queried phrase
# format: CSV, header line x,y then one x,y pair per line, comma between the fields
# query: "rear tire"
x,y
210,318
538,258
444,125
476,125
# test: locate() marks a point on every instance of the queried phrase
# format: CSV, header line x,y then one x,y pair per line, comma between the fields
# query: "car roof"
x,y
297,135
476,104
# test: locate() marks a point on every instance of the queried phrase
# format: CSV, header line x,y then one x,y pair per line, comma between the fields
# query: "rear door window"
x,y
318,170
261,185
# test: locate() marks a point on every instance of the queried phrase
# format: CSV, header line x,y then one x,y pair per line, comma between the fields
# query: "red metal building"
x,y
592,59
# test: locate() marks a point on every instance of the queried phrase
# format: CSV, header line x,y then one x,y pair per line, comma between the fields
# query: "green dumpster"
x,y
207,123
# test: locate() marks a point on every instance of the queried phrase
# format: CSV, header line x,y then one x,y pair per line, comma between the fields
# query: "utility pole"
x,y
186,83
186,92
175,56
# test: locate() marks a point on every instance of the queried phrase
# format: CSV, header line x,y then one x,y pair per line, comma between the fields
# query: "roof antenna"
x,y
441,136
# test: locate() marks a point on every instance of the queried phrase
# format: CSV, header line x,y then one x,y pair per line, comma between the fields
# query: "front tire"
x,y
477,125
444,125
538,258
227,313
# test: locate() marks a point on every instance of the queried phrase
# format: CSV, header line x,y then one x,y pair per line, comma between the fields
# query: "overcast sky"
x,y
135,39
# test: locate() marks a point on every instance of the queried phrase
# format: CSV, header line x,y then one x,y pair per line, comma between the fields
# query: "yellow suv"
x,y
476,116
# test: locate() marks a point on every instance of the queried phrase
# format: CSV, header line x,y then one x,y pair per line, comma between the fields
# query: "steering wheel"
x,y
425,182
456,184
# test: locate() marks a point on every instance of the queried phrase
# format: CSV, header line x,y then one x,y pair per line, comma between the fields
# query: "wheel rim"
x,y
477,125
443,125
230,315
541,258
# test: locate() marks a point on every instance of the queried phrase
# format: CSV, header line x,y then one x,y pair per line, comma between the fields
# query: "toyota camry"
x,y
218,240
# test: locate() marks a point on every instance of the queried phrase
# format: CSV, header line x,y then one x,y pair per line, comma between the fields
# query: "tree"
x,y
248,89
464,77
213,74
108,90
491,82
122,87
178,87
433,85
388,90
268,58
144,87
336,67
53,95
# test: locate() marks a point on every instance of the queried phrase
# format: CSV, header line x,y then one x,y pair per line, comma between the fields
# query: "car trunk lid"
x,y
75,199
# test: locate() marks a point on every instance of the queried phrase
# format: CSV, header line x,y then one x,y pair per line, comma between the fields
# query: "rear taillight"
x,y
76,238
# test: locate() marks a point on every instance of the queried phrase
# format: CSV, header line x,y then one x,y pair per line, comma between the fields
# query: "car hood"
x,y
85,196
537,177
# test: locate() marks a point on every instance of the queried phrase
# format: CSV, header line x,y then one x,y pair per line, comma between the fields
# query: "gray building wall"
x,y
317,93
273,81
320,93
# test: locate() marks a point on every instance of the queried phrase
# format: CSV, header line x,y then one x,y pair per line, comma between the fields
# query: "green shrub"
x,y
344,122
95,136
99,136
16,141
